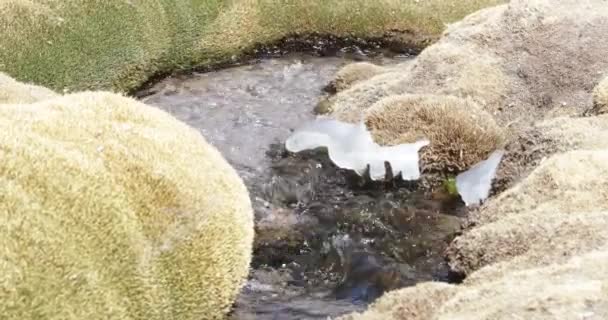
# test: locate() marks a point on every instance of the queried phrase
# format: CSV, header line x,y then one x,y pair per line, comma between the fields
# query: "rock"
x,y
323,106
111,209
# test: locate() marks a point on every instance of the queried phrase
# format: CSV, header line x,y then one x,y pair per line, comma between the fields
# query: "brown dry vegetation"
x,y
461,133
600,98
419,302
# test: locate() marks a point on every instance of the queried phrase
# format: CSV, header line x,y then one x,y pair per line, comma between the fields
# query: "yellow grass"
x,y
111,209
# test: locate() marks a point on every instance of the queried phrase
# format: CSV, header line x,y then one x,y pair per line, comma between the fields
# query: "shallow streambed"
x,y
327,242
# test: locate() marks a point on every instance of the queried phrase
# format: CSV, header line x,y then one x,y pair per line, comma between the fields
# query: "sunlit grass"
x,y
117,45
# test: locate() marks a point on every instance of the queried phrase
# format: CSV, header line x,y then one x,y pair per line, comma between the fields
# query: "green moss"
x,y
449,185
104,214
117,45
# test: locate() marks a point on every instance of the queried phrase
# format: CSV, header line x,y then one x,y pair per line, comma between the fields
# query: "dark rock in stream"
x,y
327,242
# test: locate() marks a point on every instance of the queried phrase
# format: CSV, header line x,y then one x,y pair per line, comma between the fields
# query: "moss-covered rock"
x,y
111,209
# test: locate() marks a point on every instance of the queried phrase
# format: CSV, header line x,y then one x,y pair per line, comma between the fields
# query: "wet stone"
x,y
327,242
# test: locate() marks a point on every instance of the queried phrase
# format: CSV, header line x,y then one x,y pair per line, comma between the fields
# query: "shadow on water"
x,y
327,241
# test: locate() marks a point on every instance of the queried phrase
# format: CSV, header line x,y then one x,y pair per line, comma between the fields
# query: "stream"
x,y
327,241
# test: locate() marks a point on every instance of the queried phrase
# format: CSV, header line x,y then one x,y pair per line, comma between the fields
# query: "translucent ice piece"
x,y
352,147
474,184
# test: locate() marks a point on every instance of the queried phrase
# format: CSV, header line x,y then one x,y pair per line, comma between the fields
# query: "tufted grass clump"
x,y
111,209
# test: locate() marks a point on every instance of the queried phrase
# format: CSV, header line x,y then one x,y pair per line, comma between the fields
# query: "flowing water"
x,y
327,241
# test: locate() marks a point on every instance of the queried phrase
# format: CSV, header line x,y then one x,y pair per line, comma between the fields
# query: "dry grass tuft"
x,y
600,98
419,302
460,132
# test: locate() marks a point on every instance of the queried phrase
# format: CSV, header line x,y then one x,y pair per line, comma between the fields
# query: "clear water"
x,y
327,242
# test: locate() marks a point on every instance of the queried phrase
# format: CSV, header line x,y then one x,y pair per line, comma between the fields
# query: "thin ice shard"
x,y
474,184
352,147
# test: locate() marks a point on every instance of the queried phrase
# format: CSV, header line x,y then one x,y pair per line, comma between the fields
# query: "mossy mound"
x,y
118,45
535,213
111,209
538,249
600,98
12,91
526,241
572,181
353,73
350,105
461,133
520,61
533,240
569,290
572,133
413,303
541,263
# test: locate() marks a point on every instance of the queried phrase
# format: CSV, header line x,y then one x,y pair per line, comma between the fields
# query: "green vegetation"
x,y
449,184
118,45
105,214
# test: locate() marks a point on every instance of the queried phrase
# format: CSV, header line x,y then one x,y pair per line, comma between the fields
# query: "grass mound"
x,y
111,209
413,303
461,133
118,45
353,73
600,98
